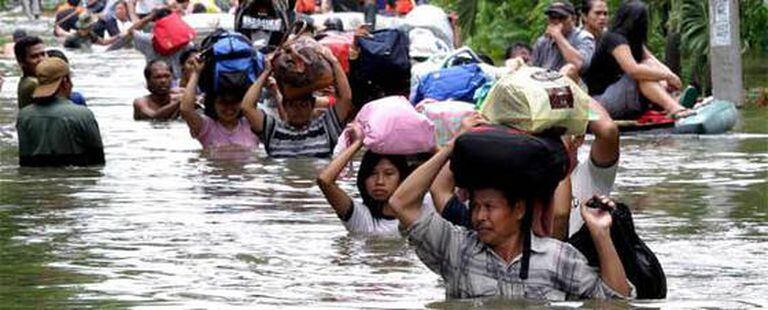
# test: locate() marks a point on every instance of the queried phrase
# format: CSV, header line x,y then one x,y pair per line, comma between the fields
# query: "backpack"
x,y
454,83
230,62
171,34
640,264
263,22
382,67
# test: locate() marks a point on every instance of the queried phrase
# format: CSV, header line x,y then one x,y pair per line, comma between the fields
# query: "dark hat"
x,y
561,8
18,34
333,23
499,157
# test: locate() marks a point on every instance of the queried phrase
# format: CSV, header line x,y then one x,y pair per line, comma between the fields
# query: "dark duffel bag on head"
x,y
383,67
640,264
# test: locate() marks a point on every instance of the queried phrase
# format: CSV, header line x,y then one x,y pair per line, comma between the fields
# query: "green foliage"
x,y
489,26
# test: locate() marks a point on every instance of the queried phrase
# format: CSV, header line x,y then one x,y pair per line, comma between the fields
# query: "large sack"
x,y
171,34
453,83
230,62
391,125
508,159
535,100
300,69
640,263
447,116
424,44
382,67
432,18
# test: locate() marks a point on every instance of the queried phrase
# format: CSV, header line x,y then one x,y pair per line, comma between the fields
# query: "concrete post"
x,y
725,51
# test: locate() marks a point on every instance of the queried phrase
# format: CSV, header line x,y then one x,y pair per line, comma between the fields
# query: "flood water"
x,y
164,225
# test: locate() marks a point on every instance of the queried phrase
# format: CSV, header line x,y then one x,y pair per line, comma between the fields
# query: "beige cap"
x,y
49,72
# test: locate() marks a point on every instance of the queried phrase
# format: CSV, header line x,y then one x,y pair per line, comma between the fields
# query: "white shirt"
x,y
588,180
362,222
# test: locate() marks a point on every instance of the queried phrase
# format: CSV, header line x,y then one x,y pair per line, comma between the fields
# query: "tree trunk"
x,y
672,52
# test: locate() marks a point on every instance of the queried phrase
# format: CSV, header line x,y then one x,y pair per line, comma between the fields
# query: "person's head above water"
x,y
378,178
158,76
505,174
299,111
29,52
18,34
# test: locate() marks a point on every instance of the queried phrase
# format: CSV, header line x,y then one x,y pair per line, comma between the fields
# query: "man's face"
x,y
565,21
597,17
159,82
35,54
120,12
493,218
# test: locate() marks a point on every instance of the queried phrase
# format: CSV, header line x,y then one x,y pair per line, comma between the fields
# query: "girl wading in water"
x,y
377,178
224,126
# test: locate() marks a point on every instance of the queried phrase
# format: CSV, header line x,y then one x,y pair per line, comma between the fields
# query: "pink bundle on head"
x,y
392,126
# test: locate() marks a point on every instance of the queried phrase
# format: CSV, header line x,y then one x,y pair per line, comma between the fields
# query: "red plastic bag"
x,y
171,34
339,44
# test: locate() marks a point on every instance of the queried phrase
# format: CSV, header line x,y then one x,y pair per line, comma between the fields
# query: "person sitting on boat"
x,y
53,131
304,133
504,255
517,50
223,126
163,101
594,16
563,47
377,178
624,71
85,36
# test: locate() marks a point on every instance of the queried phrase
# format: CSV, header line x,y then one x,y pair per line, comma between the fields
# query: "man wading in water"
x,y
163,101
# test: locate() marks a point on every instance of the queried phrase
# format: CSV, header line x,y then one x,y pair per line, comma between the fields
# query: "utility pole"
x,y
725,51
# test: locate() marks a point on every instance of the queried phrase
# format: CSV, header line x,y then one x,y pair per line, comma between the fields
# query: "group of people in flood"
x,y
503,198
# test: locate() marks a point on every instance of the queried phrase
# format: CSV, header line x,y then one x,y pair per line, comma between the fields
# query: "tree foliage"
x,y
489,26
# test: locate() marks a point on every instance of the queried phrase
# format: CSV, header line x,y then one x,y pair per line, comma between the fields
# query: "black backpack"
x,y
264,22
640,264
383,67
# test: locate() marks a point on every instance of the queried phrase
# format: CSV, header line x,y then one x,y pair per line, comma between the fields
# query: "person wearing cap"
x,y
29,52
163,101
507,253
85,36
53,131
563,47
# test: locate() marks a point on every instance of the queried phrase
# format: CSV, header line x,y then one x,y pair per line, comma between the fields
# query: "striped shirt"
x,y
316,140
557,271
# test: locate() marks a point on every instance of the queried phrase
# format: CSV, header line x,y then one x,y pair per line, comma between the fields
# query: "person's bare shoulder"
x,y
139,104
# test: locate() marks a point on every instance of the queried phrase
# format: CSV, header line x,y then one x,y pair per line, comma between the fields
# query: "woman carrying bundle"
x,y
377,178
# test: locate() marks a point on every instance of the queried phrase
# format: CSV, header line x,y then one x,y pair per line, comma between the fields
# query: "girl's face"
x,y
227,109
383,181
